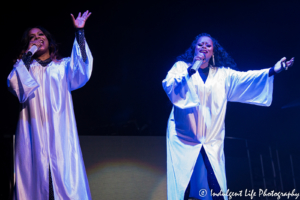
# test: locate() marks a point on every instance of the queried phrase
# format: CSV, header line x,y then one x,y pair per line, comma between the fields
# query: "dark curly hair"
x,y
53,46
221,56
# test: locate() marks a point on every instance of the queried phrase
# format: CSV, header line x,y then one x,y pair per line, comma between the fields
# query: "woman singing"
x,y
48,159
199,86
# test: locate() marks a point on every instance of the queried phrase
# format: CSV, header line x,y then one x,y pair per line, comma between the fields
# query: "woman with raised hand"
x,y
48,159
199,86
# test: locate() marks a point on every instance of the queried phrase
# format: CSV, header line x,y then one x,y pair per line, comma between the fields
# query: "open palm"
x,y
79,22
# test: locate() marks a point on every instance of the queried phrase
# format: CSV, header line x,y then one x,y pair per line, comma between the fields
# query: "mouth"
x,y
203,51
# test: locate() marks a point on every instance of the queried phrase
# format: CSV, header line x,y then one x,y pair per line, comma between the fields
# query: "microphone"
x,y
32,50
197,65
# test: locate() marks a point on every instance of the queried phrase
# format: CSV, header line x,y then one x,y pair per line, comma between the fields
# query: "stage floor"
x,y
125,167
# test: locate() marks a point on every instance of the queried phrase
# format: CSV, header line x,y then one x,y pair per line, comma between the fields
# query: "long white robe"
x,y
198,118
46,133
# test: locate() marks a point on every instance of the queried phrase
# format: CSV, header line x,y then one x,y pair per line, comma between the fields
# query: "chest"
x,y
213,89
49,75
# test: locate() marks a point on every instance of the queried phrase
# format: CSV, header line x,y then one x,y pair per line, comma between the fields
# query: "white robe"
x,y
198,118
46,133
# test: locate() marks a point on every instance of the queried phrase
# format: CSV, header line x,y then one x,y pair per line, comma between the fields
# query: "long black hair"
x,y
53,46
221,56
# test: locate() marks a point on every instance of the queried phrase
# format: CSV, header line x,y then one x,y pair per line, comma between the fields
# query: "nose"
x,y
37,37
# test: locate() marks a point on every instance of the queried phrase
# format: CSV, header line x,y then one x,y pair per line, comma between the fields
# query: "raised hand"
x,y
283,64
79,22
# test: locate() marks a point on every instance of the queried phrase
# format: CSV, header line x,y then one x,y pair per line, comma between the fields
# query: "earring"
x,y
213,59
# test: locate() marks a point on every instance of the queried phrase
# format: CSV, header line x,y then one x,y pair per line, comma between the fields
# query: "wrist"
x,y
190,70
272,71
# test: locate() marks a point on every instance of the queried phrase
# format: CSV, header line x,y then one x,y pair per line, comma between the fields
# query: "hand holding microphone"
x,y
34,47
198,61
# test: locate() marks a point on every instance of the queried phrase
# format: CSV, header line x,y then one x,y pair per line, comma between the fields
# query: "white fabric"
x,y
46,132
198,115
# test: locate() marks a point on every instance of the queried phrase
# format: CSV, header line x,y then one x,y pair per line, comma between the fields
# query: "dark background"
x,y
135,43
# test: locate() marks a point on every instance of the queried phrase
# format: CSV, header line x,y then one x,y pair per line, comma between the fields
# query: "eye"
x,y
41,34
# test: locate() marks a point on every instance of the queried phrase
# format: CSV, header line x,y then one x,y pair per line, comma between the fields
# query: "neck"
x,y
204,65
43,56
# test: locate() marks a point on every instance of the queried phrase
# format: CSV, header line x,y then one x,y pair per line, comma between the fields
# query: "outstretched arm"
x,y
254,87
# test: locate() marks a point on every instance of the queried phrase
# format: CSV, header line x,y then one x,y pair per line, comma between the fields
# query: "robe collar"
x,y
44,63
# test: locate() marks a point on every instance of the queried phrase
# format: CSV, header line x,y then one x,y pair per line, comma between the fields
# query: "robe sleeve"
x,y
79,70
20,82
253,87
179,87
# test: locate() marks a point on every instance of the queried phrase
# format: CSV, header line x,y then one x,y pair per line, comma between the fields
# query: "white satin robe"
x,y
198,118
46,133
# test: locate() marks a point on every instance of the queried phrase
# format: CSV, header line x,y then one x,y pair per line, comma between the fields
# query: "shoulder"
x,y
66,59
181,64
62,61
225,71
179,67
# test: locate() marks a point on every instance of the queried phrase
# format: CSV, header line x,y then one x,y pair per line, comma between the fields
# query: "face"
x,y
36,34
204,45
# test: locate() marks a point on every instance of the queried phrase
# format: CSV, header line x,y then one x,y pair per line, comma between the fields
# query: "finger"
x,y
30,45
37,42
197,58
283,59
79,14
202,56
290,64
73,18
88,16
85,13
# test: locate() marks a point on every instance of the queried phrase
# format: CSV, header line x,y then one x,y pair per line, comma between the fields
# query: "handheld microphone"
x,y
32,50
197,65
